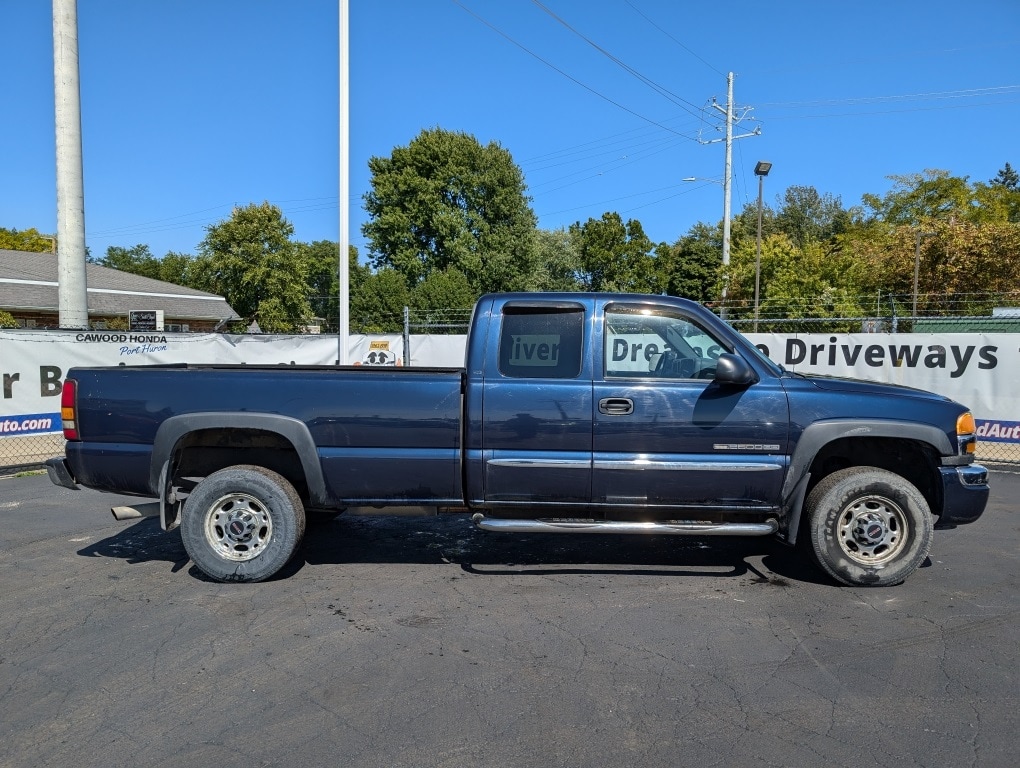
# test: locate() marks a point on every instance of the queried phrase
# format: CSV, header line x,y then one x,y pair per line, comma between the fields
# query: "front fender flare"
x,y
816,436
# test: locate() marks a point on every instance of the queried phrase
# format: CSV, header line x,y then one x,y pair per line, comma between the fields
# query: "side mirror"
x,y
733,369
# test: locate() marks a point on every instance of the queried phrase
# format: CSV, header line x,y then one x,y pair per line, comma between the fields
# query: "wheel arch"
x,y
908,449
202,443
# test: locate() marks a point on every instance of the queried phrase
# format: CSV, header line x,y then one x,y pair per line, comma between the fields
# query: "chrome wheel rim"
x,y
872,530
238,527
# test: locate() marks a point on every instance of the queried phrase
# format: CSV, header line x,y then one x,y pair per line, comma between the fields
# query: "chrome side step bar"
x,y
502,525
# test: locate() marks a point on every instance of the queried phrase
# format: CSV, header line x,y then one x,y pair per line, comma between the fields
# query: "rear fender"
x,y
174,429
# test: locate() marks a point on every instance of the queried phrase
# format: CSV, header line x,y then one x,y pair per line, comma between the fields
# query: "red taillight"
x,y
69,409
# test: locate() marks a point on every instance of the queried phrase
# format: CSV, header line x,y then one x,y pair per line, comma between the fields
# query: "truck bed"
x,y
402,423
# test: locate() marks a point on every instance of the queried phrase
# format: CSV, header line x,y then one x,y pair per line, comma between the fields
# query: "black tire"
x,y
868,527
242,523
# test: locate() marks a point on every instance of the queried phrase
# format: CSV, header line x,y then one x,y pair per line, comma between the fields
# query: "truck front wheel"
x,y
868,527
242,523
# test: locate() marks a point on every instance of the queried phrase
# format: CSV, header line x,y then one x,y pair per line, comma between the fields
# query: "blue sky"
x,y
192,106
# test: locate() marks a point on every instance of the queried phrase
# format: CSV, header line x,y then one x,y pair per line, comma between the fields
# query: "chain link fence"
x,y
889,324
24,453
28,453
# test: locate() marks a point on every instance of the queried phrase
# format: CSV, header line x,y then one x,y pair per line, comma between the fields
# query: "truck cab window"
x,y
651,343
541,342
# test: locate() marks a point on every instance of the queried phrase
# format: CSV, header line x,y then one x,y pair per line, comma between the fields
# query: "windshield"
x,y
765,360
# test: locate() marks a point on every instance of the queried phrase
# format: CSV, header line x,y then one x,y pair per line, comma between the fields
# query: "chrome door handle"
x,y
616,406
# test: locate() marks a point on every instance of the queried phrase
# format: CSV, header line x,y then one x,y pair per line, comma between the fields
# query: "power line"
x,y
619,162
687,190
174,223
902,55
960,94
563,157
885,112
569,77
643,16
661,90
156,225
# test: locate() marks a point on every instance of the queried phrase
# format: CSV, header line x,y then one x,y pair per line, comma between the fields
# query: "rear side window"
x,y
541,342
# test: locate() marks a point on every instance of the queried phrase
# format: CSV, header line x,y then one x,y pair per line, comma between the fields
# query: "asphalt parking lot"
x,y
423,642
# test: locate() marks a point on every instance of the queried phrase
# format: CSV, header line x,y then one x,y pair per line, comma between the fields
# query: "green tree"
x,y
807,216
251,261
448,289
179,269
25,240
922,197
447,201
613,256
378,305
176,268
963,266
1008,178
981,256
883,255
558,263
691,266
322,257
998,201
995,204
745,224
814,281
7,320
442,299
137,260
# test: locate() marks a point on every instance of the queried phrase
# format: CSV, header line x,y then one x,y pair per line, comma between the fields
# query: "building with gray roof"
x,y
29,292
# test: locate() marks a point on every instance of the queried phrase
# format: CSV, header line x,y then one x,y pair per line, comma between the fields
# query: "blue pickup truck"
x,y
577,413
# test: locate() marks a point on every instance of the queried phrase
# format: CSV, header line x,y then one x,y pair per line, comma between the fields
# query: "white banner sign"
x,y
982,371
33,363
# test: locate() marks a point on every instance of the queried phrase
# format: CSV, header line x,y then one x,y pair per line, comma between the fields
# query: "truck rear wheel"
x,y
868,527
242,523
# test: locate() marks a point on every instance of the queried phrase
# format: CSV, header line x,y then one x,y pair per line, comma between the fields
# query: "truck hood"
x,y
839,384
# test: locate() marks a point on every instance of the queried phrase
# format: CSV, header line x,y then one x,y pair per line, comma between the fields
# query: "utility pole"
x,y
727,180
72,290
343,266
731,119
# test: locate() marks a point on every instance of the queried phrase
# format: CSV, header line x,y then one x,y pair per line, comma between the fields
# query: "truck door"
x,y
536,431
668,440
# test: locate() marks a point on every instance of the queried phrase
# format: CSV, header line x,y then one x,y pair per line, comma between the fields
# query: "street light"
x,y
761,170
